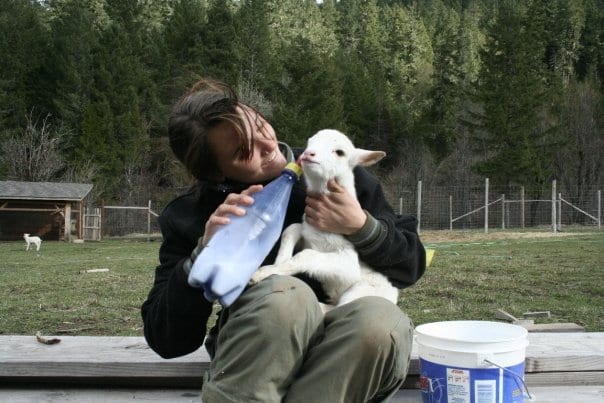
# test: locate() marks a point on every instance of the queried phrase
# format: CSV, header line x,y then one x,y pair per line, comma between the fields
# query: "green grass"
x,y
49,293
470,277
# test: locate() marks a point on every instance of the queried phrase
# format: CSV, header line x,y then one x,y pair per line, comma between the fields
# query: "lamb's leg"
x,y
290,237
342,265
27,247
265,271
38,246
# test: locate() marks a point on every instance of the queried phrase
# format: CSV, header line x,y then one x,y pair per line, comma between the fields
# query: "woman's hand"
x,y
336,212
231,206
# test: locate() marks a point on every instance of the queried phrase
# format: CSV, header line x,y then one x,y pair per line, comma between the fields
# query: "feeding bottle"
x,y
237,249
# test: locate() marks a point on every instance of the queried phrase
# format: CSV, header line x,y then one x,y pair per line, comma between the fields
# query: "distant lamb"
x,y
32,239
327,257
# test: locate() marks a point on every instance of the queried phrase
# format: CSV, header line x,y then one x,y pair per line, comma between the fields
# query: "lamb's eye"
x,y
340,153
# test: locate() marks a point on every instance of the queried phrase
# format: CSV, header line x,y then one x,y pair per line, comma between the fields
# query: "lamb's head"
x,y
329,155
25,235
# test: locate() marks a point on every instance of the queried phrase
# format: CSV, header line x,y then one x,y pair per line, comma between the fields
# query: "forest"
x,y
453,90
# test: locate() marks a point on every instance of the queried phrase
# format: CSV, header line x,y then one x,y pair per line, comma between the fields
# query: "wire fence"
x,y
120,221
461,208
437,208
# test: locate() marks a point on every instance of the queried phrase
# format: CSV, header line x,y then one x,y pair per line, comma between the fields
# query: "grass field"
x,y
472,275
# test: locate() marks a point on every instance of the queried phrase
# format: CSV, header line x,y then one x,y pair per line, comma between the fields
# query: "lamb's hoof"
x,y
256,278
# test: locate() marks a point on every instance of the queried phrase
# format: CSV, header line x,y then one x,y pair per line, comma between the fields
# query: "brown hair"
x,y
204,106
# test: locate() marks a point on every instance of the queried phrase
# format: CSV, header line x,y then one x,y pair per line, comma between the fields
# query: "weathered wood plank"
x,y
575,378
551,327
88,356
99,395
549,352
535,379
552,358
594,394
503,315
565,352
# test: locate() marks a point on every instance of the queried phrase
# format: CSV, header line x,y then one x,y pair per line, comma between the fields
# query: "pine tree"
x,y
258,66
311,95
96,144
218,50
590,59
348,29
364,38
69,70
23,45
295,19
185,32
513,94
441,121
118,93
408,60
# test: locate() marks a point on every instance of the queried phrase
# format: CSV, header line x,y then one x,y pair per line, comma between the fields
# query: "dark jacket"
x,y
175,315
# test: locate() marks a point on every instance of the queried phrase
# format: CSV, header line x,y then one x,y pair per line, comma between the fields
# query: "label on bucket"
x,y
443,384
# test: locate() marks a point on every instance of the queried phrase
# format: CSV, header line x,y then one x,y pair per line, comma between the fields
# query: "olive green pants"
x,y
274,344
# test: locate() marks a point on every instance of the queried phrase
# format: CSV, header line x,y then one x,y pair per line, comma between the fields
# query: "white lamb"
x,y
32,239
327,257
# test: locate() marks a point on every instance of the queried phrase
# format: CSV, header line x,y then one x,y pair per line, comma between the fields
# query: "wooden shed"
x,y
50,210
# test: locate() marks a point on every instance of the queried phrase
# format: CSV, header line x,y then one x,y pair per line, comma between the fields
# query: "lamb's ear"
x,y
367,158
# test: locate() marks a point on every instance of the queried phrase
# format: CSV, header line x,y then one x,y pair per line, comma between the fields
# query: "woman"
x,y
274,344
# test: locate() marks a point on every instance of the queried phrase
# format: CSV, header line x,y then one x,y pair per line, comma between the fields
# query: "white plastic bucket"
x,y
471,362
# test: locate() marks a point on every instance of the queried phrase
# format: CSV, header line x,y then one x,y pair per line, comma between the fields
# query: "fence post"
x,y
559,218
419,205
522,206
554,215
400,205
450,212
149,222
486,205
81,221
599,209
101,228
67,222
503,211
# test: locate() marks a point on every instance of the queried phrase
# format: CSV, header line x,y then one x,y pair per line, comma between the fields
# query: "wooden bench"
x,y
557,365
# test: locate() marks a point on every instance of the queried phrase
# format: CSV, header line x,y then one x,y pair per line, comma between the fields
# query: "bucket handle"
x,y
531,397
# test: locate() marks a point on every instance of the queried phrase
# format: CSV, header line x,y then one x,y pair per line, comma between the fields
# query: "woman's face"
x,y
266,161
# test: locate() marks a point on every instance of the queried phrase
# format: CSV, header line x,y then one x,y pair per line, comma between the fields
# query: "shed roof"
x,y
15,190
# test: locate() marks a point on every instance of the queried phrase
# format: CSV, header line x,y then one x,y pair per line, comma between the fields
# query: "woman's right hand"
x,y
231,206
